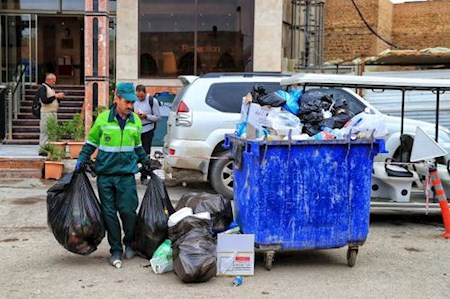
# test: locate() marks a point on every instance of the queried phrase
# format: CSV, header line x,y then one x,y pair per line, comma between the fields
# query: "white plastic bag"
x,y
283,121
364,124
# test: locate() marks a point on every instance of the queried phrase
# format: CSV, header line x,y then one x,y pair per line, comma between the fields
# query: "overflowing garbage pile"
x,y
215,204
184,242
298,115
74,214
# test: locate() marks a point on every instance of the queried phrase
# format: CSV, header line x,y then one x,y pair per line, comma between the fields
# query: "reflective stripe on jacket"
x,y
119,150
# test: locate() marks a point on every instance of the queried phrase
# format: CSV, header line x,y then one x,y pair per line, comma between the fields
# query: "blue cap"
x,y
126,91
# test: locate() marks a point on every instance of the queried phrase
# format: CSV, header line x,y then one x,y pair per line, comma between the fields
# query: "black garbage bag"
x,y
338,121
194,250
272,99
314,100
151,224
74,214
218,206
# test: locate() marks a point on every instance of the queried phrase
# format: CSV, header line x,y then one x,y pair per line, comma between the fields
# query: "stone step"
x,y
26,129
62,115
21,167
21,141
21,174
65,110
29,99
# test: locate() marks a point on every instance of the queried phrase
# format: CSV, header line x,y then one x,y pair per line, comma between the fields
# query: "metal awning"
x,y
428,56
368,82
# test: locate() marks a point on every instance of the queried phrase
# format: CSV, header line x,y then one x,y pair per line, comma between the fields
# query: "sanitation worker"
x,y
116,134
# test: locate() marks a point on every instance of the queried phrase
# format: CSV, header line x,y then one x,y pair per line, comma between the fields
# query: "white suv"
x,y
208,107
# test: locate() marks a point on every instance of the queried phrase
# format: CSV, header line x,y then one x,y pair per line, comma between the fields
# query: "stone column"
x,y
127,41
267,46
96,56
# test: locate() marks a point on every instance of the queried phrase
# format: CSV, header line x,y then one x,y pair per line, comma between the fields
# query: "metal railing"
x,y
15,94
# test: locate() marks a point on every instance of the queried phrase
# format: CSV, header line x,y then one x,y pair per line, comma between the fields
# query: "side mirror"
x,y
367,110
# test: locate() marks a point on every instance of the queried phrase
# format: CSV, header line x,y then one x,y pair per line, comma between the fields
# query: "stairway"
x,y
25,129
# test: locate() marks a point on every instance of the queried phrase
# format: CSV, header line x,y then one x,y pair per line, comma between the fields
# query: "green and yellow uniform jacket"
x,y
119,150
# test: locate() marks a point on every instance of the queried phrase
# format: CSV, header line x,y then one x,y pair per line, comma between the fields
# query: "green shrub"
x,y
54,129
75,127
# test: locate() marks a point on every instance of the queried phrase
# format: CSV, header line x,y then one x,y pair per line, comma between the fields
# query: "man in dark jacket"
x,y
117,135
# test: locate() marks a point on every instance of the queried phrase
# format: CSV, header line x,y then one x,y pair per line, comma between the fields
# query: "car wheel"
x,y
221,175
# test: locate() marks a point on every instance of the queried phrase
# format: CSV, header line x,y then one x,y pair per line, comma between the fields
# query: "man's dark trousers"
x,y
118,194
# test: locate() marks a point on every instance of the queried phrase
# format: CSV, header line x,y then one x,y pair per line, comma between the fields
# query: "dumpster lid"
x,y
370,82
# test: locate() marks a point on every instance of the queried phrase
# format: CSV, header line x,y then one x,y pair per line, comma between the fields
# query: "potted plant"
x,y
53,165
75,129
55,131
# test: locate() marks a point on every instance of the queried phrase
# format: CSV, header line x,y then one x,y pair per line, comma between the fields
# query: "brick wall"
x,y
346,36
416,25
422,24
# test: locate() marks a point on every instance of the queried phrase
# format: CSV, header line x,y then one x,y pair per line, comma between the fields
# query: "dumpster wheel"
x,y
352,252
268,259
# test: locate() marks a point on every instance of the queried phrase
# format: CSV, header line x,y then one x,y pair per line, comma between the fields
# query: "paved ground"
x,y
404,257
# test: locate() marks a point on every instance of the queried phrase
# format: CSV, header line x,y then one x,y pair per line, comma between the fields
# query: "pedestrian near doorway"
x,y
117,135
49,105
148,110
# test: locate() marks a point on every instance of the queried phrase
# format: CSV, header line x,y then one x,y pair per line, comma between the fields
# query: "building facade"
x,y
153,41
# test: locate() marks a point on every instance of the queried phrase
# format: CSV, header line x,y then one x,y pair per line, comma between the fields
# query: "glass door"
x,y
18,47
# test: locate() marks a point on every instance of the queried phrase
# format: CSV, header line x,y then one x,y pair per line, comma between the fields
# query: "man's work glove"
x,y
79,165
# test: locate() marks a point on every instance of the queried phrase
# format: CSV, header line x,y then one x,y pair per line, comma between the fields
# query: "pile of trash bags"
x,y
74,214
216,205
194,249
313,114
199,217
151,224
318,110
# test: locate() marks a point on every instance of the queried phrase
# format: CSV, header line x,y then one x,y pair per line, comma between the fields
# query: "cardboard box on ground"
x,y
235,254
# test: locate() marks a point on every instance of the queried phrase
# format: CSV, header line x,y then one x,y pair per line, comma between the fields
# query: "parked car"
x,y
208,107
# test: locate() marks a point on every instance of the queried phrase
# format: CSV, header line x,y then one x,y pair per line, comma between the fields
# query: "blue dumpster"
x,y
303,194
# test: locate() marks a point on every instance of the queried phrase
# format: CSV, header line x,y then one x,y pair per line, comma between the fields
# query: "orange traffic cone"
x,y
443,203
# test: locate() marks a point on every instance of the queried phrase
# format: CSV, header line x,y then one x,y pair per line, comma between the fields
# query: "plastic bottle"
x,y
237,281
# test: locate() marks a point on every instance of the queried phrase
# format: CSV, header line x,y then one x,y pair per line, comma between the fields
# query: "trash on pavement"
x,y
194,250
237,281
74,214
235,254
218,206
151,225
162,260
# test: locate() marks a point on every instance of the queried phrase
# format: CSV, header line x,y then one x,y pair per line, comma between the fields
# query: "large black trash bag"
x,y
261,97
194,250
74,214
341,115
151,224
218,206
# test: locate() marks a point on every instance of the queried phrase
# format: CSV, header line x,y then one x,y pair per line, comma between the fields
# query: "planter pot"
x,y
75,148
53,170
61,145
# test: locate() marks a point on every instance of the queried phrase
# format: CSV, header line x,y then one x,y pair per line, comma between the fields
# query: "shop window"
x,y
186,37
